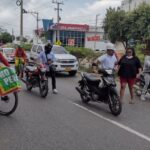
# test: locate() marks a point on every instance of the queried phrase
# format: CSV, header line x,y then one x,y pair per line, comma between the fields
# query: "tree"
x,y
5,37
124,26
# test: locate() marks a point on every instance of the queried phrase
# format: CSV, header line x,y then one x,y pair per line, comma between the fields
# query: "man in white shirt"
x,y
109,60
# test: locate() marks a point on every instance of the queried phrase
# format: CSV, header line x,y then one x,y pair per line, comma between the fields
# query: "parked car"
x,y
9,53
65,62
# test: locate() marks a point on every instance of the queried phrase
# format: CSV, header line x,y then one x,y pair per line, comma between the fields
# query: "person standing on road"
x,y
47,57
109,60
129,67
146,71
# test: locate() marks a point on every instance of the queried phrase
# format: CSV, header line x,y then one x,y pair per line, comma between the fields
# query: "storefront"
x,y
76,35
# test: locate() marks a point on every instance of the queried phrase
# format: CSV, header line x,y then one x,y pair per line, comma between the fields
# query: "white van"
x,y
65,62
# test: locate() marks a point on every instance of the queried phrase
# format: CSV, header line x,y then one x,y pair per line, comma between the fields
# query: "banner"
x,y
71,42
93,38
8,81
47,23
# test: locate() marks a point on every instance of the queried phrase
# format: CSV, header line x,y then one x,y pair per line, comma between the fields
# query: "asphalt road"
x,y
62,122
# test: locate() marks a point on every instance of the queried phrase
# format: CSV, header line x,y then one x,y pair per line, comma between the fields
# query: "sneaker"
x,y
143,98
55,91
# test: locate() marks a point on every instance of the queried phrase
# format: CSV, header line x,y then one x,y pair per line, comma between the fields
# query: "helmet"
x,y
110,46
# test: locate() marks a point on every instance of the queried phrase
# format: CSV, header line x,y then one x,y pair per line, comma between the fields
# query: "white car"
x,y
65,62
9,53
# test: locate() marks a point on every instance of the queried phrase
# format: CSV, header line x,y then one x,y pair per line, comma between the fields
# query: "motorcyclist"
x,y
5,62
20,55
146,72
108,60
47,57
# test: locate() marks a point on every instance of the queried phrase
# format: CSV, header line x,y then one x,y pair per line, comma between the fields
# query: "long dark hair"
x,y
132,49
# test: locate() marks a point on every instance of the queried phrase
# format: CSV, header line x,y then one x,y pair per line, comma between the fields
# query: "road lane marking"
x,y
130,130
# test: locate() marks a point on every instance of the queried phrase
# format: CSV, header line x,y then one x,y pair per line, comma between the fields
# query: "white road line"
x,y
130,130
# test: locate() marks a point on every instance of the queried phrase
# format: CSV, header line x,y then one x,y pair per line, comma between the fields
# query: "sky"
x,y
73,11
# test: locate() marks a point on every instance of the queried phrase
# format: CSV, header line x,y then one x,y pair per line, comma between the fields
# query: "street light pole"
x,y
96,29
21,21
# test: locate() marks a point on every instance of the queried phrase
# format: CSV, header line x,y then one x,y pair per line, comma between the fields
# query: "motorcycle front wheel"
x,y
115,105
28,85
9,105
44,88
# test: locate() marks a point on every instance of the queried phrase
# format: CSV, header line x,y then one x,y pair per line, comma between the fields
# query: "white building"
x,y
129,5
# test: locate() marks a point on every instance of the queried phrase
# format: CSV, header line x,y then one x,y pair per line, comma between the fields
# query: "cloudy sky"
x,y
74,11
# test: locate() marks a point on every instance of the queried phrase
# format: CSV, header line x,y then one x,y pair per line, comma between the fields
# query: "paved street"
x,y
62,122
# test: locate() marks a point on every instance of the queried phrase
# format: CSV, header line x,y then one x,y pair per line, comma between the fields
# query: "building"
x,y
80,35
129,5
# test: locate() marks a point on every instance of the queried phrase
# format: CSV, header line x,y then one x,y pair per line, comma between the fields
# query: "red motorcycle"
x,y
35,76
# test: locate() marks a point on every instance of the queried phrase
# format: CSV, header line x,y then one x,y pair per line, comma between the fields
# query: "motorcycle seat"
x,y
31,68
91,77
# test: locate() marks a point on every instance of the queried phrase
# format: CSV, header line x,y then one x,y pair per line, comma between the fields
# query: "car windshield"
x,y
9,50
59,50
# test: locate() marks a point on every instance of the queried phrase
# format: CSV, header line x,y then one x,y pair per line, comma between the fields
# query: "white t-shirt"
x,y
107,61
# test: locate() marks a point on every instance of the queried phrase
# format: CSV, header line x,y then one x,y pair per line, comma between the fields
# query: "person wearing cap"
x,y
129,67
47,58
108,60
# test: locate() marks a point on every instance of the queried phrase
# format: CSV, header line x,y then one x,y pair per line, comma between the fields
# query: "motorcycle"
x,y
101,89
139,85
35,76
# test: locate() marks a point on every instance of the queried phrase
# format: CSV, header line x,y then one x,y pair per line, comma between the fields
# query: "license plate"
x,y
68,69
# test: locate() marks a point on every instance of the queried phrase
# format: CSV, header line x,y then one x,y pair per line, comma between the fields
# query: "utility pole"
x,y
20,4
130,1
37,19
12,35
96,29
58,2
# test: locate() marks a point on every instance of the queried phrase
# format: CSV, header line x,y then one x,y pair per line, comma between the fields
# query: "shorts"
x,y
129,81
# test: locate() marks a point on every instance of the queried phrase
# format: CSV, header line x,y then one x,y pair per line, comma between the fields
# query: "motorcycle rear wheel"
x,y
115,105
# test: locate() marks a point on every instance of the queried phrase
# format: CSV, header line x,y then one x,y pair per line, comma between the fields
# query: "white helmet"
x,y
110,46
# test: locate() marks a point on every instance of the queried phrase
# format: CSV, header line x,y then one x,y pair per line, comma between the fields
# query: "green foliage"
x,y
27,47
5,37
81,52
139,53
123,26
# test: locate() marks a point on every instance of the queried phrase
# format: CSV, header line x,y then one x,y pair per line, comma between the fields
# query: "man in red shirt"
x,y
20,57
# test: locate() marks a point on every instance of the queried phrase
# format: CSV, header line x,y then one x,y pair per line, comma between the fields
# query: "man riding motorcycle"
x,y
20,57
109,60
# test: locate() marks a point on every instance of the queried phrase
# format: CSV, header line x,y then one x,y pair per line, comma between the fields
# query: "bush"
x,y
81,52
27,47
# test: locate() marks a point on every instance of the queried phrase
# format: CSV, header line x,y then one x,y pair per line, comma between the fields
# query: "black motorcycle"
x,y
139,85
35,76
103,89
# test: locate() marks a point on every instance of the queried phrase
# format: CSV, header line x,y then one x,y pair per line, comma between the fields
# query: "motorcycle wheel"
x,y
44,88
84,98
7,107
115,105
28,86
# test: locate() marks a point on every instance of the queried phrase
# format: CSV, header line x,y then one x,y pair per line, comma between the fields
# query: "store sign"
x,y
93,38
72,27
71,42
